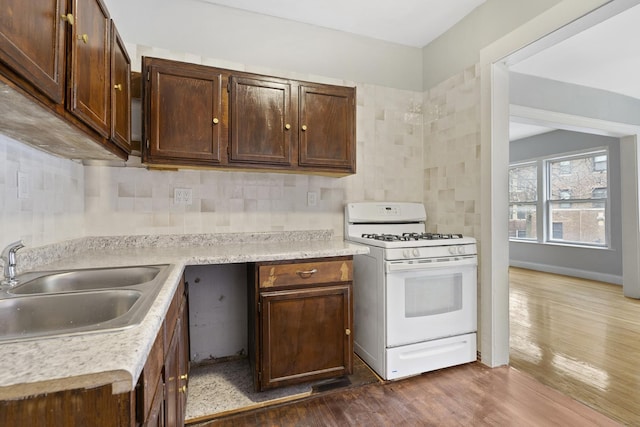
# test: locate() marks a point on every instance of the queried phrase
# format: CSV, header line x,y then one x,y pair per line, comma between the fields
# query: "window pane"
x,y
583,178
522,221
581,223
523,183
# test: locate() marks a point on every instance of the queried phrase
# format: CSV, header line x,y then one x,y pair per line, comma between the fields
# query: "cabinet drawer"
x,y
305,273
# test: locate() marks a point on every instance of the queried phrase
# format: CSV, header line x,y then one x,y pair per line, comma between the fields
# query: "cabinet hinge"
x,y
148,75
259,307
147,143
259,375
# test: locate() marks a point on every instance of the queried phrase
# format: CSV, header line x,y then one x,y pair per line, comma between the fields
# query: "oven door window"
x,y
430,303
440,294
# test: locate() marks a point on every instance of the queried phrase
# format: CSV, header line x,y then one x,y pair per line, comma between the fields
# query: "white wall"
x,y
591,263
201,28
459,48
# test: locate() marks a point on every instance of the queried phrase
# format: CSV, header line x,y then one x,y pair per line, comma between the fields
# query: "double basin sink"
x,y
60,303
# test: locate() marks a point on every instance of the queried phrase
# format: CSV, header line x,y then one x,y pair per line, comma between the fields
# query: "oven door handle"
x,y
424,264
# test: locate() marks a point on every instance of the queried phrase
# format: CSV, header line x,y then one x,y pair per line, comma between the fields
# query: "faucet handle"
x,y
11,248
9,258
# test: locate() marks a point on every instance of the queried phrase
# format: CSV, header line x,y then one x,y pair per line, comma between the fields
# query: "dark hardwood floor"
x,y
467,395
573,335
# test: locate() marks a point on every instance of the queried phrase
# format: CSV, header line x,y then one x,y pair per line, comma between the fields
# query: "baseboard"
x,y
574,272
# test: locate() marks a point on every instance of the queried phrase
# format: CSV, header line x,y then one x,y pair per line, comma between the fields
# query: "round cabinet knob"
x,y
287,126
416,252
304,127
215,121
452,250
461,250
347,331
406,253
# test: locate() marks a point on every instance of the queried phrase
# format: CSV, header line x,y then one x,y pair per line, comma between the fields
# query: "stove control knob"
x,y
452,250
461,250
416,253
406,253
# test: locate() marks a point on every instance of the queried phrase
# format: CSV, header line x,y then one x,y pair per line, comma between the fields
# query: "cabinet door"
x,y
172,381
183,117
305,335
327,127
32,43
262,122
120,92
183,350
90,80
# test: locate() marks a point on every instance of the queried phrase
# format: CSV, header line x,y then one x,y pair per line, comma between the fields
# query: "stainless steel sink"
x,y
83,280
31,316
61,303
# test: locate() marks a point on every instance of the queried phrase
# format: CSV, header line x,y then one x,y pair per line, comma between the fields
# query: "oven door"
x,y
429,299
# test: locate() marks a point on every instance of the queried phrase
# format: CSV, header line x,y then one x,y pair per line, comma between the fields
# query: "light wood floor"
x,y
580,337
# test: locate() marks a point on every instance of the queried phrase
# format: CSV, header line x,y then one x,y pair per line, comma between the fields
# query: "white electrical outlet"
x,y
182,196
312,198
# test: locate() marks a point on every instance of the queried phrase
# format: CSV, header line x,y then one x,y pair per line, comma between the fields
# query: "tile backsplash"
x,y
411,146
53,208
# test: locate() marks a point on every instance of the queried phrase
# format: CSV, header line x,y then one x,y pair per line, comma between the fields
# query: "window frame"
x,y
544,227
534,203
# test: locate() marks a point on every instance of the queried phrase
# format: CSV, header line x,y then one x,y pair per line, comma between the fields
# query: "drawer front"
x,y
305,273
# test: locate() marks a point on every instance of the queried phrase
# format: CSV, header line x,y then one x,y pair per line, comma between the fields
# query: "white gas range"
x,y
415,293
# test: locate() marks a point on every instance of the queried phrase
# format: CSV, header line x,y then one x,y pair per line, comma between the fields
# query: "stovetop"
x,y
406,237
395,225
411,240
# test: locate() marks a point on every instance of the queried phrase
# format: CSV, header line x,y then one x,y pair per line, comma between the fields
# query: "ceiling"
x,y
412,23
605,56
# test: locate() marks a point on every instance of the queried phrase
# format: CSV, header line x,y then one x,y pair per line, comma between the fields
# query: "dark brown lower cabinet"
x,y
162,388
300,321
159,398
79,407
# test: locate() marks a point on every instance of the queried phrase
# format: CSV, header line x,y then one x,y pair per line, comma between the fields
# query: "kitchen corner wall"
x,y
53,209
452,154
134,200
411,146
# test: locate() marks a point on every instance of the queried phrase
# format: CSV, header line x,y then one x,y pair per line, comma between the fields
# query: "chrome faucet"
x,y
9,258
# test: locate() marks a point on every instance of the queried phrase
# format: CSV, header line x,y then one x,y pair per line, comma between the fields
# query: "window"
x,y
600,163
576,202
569,206
523,198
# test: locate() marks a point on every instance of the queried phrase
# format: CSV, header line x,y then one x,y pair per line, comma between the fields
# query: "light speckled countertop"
x,y
117,358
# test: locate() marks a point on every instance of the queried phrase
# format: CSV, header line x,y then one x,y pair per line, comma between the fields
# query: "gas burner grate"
x,y
431,236
410,236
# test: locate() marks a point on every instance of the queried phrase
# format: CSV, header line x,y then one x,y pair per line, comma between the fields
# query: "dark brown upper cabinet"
x,y
183,120
327,127
58,54
120,91
32,43
89,90
199,116
262,121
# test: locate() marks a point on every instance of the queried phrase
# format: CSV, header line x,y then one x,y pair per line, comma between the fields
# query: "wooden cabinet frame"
x,y
300,321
